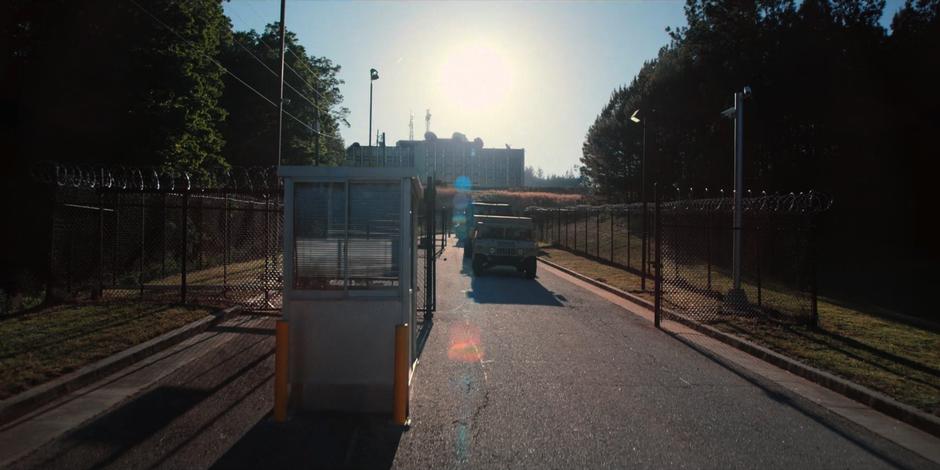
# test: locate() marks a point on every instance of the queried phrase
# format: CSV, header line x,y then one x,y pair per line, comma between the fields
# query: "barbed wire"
x,y
156,179
809,202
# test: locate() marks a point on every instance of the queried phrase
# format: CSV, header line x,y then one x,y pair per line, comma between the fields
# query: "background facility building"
x,y
447,159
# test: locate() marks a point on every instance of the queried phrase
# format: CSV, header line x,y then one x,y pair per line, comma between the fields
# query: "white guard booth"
x,y
349,279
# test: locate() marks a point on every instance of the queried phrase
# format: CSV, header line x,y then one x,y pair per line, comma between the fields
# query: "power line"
x,y
302,60
312,103
226,70
294,71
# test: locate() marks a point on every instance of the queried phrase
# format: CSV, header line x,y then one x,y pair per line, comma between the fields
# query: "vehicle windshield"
x,y
491,210
504,233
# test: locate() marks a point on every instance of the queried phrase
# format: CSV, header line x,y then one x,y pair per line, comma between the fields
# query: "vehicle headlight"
x,y
492,251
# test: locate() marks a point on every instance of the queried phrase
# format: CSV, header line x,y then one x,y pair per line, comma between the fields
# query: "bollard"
x,y
400,387
280,371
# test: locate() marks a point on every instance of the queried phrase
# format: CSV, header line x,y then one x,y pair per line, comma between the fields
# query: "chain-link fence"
x,y
213,248
612,234
692,239
428,245
777,265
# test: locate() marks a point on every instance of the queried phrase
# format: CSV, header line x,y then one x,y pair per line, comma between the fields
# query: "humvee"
x,y
503,241
474,209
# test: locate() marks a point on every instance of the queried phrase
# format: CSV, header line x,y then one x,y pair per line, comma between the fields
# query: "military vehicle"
x,y
464,231
502,241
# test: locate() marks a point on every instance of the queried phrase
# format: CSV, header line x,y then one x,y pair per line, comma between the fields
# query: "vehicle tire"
x,y
530,268
478,266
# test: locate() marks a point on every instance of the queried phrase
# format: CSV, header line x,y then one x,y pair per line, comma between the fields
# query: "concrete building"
x,y
447,159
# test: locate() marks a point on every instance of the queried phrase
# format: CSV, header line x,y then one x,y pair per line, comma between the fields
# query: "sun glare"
x,y
475,76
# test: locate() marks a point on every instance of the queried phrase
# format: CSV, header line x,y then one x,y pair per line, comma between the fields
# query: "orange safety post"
x,y
280,371
400,390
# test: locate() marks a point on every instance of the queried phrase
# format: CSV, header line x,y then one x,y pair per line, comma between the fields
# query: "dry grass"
x,y
40,346
897,359
519,200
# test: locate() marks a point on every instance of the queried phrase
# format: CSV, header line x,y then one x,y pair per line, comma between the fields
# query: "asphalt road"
x,y
514,373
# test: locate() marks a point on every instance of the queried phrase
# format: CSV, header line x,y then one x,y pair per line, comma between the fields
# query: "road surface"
x,y
514,373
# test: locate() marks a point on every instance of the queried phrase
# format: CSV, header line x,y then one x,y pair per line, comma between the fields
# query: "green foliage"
x,y
310,83
140,83
839,105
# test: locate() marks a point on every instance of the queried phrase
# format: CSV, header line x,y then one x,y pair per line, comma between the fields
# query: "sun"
x,y
475,76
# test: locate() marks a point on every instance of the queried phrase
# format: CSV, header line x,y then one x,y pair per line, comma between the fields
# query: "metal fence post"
x,y
267,249
643,248
658,281
163,237
117,231
612,237
143,246
225,242
758,239
597,234
100,241
708,248
629,245
183,225
813,279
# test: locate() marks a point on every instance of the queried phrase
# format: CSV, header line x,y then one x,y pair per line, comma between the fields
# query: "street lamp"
x,y
736,298
373,76
643,254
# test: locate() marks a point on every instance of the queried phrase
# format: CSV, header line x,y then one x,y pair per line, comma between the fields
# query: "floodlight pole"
x,y
373,76
738,187
280,101
645,218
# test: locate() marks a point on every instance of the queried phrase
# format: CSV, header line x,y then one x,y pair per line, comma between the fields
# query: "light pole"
x,y
373,76
643,254
736,298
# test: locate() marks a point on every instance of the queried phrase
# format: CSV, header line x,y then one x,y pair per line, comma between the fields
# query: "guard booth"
x,y
349,279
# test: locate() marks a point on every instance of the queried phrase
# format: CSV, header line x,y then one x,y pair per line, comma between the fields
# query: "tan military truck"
x,y
503,241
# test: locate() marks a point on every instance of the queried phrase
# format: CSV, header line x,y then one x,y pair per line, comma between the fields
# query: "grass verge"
x,y
897,359
52,342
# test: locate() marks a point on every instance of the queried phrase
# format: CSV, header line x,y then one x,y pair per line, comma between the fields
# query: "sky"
x,y
530,75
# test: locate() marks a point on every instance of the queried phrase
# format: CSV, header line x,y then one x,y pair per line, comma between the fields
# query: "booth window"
x,y
347,235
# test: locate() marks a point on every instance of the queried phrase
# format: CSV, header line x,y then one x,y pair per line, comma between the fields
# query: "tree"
x,y
839,106
311,94
101,83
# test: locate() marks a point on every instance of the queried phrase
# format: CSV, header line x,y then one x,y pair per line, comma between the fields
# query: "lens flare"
x,y
465,344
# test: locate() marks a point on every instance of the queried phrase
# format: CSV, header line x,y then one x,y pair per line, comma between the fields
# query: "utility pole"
x,y
280,78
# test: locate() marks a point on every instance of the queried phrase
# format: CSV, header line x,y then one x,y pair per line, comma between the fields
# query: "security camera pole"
x,y
736,297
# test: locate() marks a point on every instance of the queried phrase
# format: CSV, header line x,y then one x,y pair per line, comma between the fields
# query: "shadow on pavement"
x,y
321,440
424,332
503,285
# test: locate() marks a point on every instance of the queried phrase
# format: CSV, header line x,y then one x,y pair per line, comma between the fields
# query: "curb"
x,y
28,401
871,398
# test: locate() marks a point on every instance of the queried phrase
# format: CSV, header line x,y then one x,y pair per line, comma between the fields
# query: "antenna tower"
x,y
427,121
411,126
